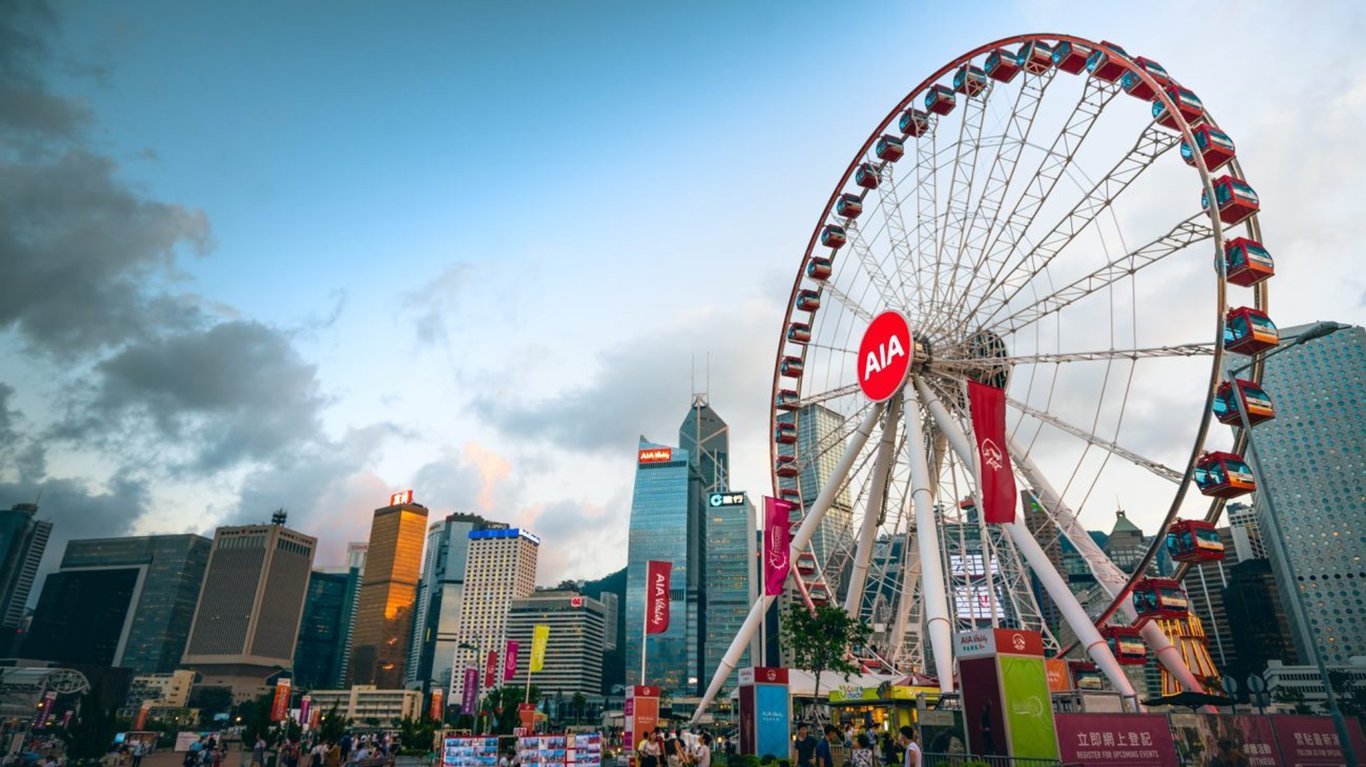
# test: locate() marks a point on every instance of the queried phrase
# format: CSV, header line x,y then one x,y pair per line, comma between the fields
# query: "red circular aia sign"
x,y
884,356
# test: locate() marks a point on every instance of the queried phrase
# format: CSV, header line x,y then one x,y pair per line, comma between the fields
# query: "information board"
x,y
576,750
469,752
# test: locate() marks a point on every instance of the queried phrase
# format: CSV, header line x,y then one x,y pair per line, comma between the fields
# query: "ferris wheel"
x,y
1062,220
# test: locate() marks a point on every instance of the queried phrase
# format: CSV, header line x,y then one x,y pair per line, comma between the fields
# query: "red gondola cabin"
x,y
914,122
1000,65
939,99
848,206
1234,199
1248,331
1246,262
1194,540
806,563
1106,62
819,269
1160,598
866,176
786,400
791,495
799,333
808,300
786,466
1034,57
1253,398
889,149
1070,57
1126,645
820,594
1188,105
1214,145
832,236
969,80
791,367
1223,475
785,434
1135,85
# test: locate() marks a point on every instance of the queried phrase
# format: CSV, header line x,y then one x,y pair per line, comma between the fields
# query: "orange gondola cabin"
x,y
1214,146
1070,57
1106,62
1035,57
1000,65
833,236
970,80
1223,475
914,122
1126,645
1234,200
1160,598
848,206
1248,331
1252,397
939,99
1246,262
1194,540
1135,86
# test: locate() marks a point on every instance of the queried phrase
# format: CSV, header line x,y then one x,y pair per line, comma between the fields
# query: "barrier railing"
x,y
966,760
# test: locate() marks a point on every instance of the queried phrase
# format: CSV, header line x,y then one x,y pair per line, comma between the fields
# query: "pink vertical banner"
x,y
777,544
510,662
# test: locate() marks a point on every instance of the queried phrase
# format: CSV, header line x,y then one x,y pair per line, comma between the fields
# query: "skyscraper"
x,y
355,573
1314,464
1246,532
440,599
500,566
712,549
663,518
23,539
731,581
388,593
573,657
121,602
247,619
322,631
1253,604
1204,584
820,442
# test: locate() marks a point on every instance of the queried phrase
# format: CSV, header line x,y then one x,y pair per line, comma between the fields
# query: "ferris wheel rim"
x,y
1217,236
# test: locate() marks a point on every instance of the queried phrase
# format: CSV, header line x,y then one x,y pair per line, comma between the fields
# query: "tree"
x,y
577,703
819,639
500,707
210,701
255,715
1293,696
332,725
416,735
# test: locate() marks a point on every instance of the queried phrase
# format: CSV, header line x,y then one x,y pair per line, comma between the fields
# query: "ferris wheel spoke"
x,y
1085,435
961,174
1191,231
859,247
1152,144
957,366
849,304
1056,160
826,396
926,214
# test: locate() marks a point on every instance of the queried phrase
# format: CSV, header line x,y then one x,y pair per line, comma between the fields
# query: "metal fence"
x,y
972,760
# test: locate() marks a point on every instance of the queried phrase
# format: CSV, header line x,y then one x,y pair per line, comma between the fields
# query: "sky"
x,y
259,256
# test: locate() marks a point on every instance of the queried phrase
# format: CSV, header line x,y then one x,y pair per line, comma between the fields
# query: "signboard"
x,y
1313,741
401,497
510,661
436,710
1058,678
717,500
884,356
655,455
984,643
305,709
279,708
657,596
1007,704
490,669
642,713
1197,737
576,601
569,750
777,546
765,710
470,694
469,752
1029,707
1115,740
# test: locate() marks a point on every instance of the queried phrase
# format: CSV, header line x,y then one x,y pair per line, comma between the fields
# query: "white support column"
x,y
799,542
886,455
1107,573
1071,609
935,597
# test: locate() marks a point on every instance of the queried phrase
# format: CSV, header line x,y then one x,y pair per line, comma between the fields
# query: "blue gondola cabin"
x,y
819,269
799,333
1106,62
1194,540
1126,645
1223,475
808,300
889,149
1248,331
791,367
833,236
969,80
1135,86
1160,598
786,466
785,434
786,399
1214,145
939,99
1250,396
1188,105
1034,57
1234,199
914,122
1000,65
848,206
866,176
1246,262
1070,57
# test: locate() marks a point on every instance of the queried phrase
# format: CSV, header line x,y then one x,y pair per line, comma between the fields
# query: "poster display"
x,y
1028,707
1115,740
1313,741
1198,735
469,752
279,708
765,711
579,750
641,711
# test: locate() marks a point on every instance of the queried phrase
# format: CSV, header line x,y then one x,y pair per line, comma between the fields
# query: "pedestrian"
x,y
1229,755
332,755
258,752
702,754
863,751
825,754
648,752
137,754
912,748
806,747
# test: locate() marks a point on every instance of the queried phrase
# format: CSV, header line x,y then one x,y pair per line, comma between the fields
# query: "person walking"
x,y
862,755
648,752
806,747
912,748
702,754
258,752
825,749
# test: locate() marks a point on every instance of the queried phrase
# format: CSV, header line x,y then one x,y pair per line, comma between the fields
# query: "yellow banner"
x,y
539,637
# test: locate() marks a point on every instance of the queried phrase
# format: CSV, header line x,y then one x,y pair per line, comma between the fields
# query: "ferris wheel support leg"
x,y
876,495
935,597
1071,609
1107,573
800,540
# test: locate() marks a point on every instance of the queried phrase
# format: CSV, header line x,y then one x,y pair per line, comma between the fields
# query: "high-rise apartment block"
x,y
573,657
125,602
500,567
1314,460
388,593
821,435
23,539
247,619
1246,532
322,632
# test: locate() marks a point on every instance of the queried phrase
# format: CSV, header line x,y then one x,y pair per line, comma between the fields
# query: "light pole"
x,y
1317,330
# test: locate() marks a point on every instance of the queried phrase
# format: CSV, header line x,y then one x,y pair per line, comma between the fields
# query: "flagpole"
x,y
644,637
763,585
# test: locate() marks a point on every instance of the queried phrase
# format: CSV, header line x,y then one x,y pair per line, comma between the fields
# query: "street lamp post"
x,y
1317,330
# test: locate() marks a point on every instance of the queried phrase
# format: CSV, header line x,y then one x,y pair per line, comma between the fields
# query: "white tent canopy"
x,y
802,683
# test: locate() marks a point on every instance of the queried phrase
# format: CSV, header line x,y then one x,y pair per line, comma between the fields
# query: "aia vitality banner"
x,y
510,662
657,596
989,429
777,544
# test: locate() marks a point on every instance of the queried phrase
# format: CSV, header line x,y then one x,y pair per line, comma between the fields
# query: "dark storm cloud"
x,y
28,109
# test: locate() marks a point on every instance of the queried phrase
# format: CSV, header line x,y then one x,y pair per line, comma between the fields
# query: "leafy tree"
x,y
92,733
500,707
332,725
1294,697
818,639
416,735
255,715
210,701
577,704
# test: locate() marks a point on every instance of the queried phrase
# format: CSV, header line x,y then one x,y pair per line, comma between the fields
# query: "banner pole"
x,y
644,640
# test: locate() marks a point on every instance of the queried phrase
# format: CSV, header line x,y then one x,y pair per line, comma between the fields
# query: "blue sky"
x,y
431,218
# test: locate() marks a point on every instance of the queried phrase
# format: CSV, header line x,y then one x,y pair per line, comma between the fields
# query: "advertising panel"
x,y
656,455
540,636
748,722
469,752
642,713
1058,678
1029,707
510,661
279,709
470,695
437,709
1313,741
1115,740
1198,735
982,716
657,576
771,719
490,669
305,709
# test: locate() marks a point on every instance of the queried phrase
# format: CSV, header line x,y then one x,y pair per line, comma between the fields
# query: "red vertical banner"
x,y
777,544
437,709
490,669
988,406
279,709
140,721
510,662
657,596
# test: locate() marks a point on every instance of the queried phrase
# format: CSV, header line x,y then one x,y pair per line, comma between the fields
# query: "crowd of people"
x,y
675,749
863,748
355,751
